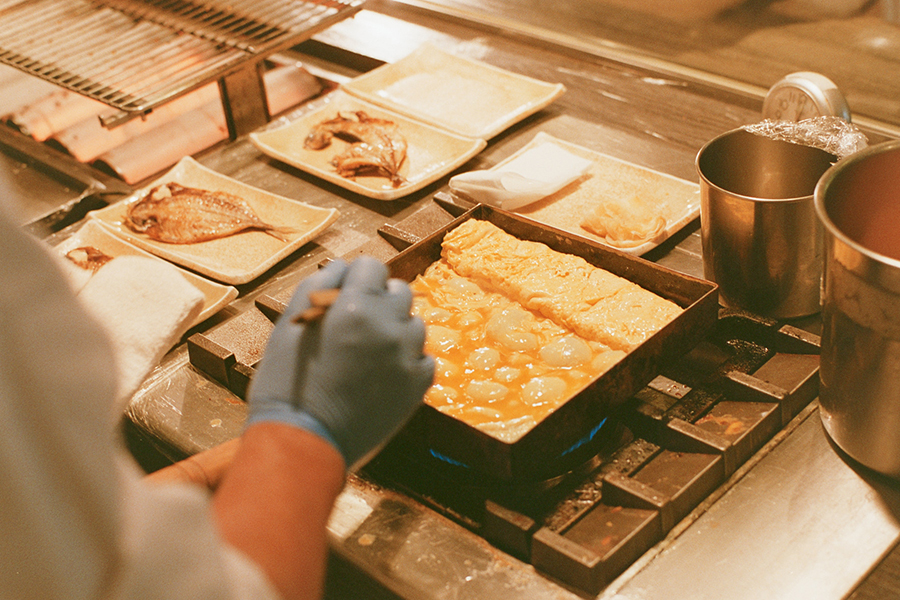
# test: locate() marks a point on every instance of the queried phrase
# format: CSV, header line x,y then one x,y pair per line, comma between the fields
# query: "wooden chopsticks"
x,y
320,301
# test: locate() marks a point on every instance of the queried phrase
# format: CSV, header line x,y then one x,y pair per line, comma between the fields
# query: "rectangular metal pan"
x,y
569,435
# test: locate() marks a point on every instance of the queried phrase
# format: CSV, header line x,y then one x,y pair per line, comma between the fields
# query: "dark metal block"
x,y
790,380
619,490
399,239
799,341
598,547
567,561
240,340
453,204
797,374
672,483
209,357
426,220
684,478
681,436
239,377
272,306
509,530
745,425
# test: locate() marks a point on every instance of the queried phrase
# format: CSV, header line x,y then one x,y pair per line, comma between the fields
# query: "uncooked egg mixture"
x,y
503,366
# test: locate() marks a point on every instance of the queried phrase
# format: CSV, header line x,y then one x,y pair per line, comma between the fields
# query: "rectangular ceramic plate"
x,y
237,258
92,234
431,152
613,180
458,94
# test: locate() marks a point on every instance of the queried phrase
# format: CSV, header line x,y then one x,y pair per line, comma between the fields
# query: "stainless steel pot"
x,y
761,240
858,203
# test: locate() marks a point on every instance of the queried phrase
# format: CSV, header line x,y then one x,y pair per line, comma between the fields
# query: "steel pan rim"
x,y
821,190
735,195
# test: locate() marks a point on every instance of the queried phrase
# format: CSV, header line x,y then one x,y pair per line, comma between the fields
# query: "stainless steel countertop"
x,y
800,524
796,521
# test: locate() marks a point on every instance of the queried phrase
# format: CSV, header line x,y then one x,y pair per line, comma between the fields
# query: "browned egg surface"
x,y
500,367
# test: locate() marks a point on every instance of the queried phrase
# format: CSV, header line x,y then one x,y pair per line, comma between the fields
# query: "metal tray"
x,y
572,433
50,189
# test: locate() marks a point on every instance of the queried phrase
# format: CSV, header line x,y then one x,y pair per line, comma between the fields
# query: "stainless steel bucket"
x,y
858,203
761,240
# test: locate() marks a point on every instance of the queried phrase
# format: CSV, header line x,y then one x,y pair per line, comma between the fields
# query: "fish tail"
x,y
279,233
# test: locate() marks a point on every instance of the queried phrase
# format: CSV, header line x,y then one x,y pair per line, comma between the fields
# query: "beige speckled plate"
x,y
458,94
431,152
611,179
216,295
238,258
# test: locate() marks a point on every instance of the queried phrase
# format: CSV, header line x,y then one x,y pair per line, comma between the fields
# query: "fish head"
x,y
142,216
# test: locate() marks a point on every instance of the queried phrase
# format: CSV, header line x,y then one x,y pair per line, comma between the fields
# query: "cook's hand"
x,y
355,376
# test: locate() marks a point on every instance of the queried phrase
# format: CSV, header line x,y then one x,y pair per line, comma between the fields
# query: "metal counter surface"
x,y
795,521
799,524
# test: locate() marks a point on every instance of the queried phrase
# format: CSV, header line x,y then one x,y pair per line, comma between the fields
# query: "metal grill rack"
x,y
135,55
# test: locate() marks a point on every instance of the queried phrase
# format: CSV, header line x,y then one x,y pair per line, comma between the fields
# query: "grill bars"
x,y
137,54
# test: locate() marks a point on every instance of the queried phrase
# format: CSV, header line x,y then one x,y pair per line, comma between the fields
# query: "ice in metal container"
x,y
858,203
570,434
761,240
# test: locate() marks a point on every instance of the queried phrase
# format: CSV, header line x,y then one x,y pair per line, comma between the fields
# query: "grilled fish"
x,y
376,145
88,257
176,214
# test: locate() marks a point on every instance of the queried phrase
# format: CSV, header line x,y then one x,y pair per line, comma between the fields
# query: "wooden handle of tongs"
x,y
204,468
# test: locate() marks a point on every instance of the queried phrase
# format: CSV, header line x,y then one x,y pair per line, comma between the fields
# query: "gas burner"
x,y
459,491
638,474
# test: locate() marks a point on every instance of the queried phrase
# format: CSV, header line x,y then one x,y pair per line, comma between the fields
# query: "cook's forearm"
x,y
274,502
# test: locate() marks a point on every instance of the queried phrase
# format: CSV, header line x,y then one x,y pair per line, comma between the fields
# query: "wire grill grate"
x,y
135,55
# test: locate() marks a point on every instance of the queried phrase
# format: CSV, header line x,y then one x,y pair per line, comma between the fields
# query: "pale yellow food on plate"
x,y
500,367
625,223
592,302
617,203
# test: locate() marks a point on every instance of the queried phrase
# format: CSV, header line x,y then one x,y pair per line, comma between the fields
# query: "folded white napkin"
x,y
535,174
146,306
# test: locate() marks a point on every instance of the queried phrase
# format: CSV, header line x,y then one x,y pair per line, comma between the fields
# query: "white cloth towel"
x,y
146,306
535,174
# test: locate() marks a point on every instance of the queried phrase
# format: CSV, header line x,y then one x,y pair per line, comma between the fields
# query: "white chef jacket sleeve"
x,y
171,550
76,519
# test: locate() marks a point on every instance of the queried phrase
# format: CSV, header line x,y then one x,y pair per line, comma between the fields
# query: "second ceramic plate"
x,y
622,195
462,95
430,154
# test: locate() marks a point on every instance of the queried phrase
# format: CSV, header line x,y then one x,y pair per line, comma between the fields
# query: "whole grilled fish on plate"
x,y
365,149
214,225
177,214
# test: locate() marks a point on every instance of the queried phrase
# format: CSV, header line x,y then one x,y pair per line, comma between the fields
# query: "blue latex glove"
x,y
355,376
